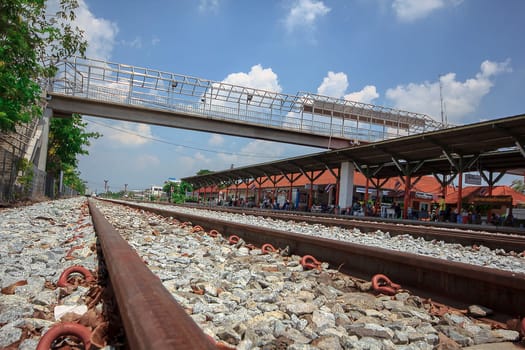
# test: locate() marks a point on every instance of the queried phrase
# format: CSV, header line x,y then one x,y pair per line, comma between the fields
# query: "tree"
x,y
204,172
67,137
178,190
31,43
518,185
72,179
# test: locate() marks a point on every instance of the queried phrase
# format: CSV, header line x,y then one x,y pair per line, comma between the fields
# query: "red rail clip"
x,y
268,248
184,224
64,329
197,228
382,284
213,233
234,239
309,262
62,281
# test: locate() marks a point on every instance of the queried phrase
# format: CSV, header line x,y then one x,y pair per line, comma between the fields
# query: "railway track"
x,y
153,320
507,238
150,316
499,290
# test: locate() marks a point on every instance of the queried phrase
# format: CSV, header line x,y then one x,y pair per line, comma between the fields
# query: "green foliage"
x,y
204,172
26,179
72,179
177,190
67,137
27,36
518,185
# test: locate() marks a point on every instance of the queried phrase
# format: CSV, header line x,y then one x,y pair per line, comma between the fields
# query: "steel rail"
x,y
467,235
151,317
499,290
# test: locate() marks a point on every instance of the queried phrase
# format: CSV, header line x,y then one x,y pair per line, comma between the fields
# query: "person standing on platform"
x,y
442,208
397,210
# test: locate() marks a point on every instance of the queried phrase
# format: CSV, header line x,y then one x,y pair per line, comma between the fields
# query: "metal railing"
x,y
305,112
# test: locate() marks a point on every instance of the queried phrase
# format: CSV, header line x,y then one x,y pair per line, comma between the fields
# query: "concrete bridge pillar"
x,y
346,186
44,138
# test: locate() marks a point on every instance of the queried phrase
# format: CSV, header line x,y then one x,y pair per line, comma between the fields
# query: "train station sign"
x,y
472,179
492,200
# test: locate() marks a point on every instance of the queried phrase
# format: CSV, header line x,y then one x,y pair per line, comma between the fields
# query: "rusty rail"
x,y
151,317
497,289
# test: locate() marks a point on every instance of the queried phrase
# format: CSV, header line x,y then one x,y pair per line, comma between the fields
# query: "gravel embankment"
x,y
482,256
35,241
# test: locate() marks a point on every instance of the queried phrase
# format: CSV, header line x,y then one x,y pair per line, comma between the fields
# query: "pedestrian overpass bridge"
x,y
143,95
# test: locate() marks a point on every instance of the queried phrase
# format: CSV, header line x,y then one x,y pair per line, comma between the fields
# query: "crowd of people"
x,y
438,212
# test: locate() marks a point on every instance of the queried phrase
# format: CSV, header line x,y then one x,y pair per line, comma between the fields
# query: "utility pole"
x,y
106,187
444,120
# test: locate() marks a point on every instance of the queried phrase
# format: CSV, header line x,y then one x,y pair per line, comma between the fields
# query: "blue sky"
x,y
387,52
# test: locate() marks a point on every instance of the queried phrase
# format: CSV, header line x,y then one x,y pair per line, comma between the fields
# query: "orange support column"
x,y
367,184
377,203
310,196
406,199
365,204
292,177
460,190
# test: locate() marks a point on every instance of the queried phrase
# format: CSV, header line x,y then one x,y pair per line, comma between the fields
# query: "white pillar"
x,y
42,157
346,185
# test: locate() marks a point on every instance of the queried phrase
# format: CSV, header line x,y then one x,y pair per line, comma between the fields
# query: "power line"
x,y
252,155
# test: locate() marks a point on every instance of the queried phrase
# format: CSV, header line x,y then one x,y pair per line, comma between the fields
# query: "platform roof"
x,y
498,145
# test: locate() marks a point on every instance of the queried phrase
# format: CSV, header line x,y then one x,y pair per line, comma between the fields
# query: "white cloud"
x,y
304,14
155,40
216,140
146,161
257,78
209,6
335,85
128,134
192,164
411,10
263,148
134,44
100,33
366,95
461,98
201,158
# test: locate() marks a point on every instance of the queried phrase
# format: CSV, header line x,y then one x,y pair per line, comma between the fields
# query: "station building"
x,y
379,202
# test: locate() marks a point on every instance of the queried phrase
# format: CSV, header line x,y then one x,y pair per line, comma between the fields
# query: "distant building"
x,y
156,191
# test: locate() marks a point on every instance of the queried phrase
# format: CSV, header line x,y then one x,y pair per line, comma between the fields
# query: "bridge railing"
x,y
308,113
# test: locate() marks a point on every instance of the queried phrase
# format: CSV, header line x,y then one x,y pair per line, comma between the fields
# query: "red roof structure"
x,y
470,192
427,184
